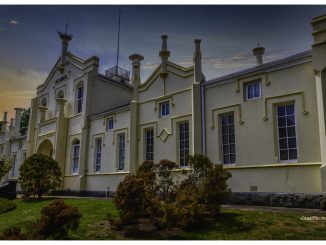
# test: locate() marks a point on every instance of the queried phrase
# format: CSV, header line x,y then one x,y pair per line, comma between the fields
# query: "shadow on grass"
x,y
228,223
36,200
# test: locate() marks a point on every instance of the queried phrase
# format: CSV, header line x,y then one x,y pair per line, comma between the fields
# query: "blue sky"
x,y
29,44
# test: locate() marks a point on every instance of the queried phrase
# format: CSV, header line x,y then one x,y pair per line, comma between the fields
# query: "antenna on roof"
x,y
118,40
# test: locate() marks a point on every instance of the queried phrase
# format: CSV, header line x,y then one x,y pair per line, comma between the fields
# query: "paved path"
x,y
301,211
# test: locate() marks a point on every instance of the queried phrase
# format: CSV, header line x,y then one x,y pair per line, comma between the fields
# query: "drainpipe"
x,y
203,118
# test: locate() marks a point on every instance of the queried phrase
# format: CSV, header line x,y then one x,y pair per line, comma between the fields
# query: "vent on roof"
x,y
118,74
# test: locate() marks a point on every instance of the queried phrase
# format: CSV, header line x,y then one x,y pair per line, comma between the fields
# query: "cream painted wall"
x,y
256,139
109,161
176,89
298,178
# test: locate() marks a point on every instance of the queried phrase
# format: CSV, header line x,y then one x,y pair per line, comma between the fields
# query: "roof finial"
x,y
66,28
258,44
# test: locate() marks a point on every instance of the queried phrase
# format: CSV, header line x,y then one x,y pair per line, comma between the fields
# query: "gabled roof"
x,y
110,111
81,64
300,58
187,71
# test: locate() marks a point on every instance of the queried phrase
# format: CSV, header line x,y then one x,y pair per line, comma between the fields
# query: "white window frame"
x,y
163,106
295,130
183,160
228,144
248,84
108,123
150,145
121,151
98,154
74,170
79,101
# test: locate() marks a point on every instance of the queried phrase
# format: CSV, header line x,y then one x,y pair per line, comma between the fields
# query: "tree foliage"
x,y
24,121
5,166
159,192
39,174
57,219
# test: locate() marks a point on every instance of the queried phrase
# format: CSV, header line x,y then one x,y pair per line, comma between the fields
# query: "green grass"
x,y
6,205
233,224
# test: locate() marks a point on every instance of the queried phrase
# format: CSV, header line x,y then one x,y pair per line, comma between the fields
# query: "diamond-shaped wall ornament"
x,y
164,135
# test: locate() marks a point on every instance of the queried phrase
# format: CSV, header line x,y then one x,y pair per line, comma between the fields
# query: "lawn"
x,y
233,224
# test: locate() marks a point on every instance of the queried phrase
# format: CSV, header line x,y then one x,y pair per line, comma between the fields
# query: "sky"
x,y
30,46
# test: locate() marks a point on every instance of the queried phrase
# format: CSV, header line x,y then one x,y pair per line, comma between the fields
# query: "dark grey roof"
x,y
111,110
262,68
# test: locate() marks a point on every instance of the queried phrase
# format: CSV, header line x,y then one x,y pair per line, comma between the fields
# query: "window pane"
x,y
290,109
226,149
283,143
291,131
226,159
225,130
292,143
250,92
257,90
225,139
293,154
232,138
282,132
283,155
232,148
290,120
232,158
231,129
281,121
281,110
231,119
224,120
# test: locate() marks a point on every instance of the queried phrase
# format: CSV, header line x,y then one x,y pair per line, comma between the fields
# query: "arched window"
x,y
79,97
60,94
75,156
44,102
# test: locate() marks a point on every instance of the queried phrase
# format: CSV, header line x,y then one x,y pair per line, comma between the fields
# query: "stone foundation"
x,y
290,200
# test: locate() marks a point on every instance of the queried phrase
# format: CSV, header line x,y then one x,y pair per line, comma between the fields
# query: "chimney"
x,y
259,52
135,80
199,76
17,121
5,115
65,38
164,54
11,128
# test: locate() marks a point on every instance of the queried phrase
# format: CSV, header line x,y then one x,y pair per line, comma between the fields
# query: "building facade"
x,y
265,124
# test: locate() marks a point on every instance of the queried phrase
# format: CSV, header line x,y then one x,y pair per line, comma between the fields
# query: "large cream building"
x,y
265,124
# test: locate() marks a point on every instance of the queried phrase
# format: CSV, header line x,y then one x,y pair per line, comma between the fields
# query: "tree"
x,y
39,174
24,121
5,166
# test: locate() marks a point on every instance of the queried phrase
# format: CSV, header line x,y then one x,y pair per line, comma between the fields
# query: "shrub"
x,y
5,166
165,183
136,196
6,205
57,218
13,233
39,174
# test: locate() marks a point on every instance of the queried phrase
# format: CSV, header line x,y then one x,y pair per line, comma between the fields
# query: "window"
x,y
13,165
149,144
79,98
164,109
287,141
109,123
75,156
43,102
121,151
183,144
60,94
24,156
253,90
228,139
98,154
